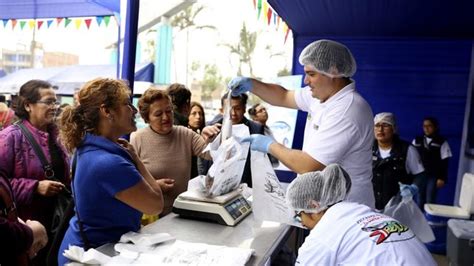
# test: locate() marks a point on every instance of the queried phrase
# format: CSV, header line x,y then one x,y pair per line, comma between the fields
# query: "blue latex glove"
x,y
259,142
240,85
408,190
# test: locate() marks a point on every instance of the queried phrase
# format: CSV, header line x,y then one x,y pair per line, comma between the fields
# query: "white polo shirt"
x,y
352,234
340,130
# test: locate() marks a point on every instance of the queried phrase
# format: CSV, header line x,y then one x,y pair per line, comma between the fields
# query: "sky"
x,y
203,46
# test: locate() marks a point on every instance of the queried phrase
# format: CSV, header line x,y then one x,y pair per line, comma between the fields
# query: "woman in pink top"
x,y
166,149
34,193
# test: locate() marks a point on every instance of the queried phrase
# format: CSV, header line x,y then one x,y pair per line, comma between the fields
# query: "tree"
x,y
184,20
211,81
244,49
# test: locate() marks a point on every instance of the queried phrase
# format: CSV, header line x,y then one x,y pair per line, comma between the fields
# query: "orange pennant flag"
x,y
269,16
59,20
40,23
88,22
78,22
13,23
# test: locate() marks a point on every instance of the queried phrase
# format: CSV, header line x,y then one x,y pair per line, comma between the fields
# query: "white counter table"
x,y
265,238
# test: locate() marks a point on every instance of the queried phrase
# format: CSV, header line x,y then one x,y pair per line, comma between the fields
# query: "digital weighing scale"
x,y
228,209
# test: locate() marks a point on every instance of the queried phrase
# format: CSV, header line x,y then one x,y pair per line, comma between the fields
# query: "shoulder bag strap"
x,y
47,167
81,225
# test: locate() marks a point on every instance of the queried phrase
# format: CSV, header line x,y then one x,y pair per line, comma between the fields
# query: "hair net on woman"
x,y
330,58
314,192
387,118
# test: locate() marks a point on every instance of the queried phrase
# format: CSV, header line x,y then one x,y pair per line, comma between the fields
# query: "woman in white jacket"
x,y
346,232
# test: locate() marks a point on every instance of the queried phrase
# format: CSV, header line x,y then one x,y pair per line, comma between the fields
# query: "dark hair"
x,y
76,121
203,115
3,99
253,110
242,98
433,120
148,98
180,95
29,93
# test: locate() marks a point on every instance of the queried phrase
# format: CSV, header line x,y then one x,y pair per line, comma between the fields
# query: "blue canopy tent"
x,y
32,9
68,78
413,57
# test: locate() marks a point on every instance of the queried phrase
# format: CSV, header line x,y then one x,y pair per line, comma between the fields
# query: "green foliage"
x,y
211,81
244,49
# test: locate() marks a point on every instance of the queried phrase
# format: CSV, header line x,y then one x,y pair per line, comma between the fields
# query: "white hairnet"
x,y
387,118
329,58
314,192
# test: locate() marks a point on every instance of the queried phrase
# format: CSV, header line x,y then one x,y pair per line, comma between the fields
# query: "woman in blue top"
x,y
111,185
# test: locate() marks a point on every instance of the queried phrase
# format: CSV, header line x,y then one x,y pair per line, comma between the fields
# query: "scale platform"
x,y
228,209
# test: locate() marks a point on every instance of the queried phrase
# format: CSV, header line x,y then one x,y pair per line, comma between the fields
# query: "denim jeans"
x,y
426,191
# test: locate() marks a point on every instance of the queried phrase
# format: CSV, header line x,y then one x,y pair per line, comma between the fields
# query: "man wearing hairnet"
x,y
344,233
394,161
340,128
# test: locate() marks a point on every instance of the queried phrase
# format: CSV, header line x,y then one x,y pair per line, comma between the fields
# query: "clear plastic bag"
x,y
405,210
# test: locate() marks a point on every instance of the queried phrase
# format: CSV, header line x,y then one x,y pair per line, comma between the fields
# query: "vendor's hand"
x,y
130,149
49,188
40,237
210,132
166,184
259,142
240,85
408,190
439,183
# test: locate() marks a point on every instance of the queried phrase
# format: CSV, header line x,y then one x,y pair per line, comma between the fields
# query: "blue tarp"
x,y
27,9
414,58
69,77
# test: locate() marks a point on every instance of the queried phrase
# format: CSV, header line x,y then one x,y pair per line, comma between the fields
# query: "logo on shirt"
x,y
384,230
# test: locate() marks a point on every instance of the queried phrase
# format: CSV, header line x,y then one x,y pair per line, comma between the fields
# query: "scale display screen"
x,y
237,207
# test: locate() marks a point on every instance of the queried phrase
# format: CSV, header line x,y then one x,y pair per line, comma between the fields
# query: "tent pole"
x,y
130,42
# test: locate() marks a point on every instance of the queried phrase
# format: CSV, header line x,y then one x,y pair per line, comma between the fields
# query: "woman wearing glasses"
x,y
394,160
33,191
348,233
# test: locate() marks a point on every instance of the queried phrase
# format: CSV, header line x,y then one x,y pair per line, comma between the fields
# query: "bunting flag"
x,y
67,21
78,23
106,20
88,22
287,30
31,24
43,24
265,8
99,20
259,7
269,14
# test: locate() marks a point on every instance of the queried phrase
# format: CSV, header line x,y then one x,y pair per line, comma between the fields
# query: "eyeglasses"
x,y
50,102
297,216
382,125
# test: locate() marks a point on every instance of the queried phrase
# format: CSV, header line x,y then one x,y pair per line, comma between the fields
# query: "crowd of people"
x,y
351,164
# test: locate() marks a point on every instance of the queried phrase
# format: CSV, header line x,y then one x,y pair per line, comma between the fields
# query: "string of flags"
x,y
39,24
270,17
